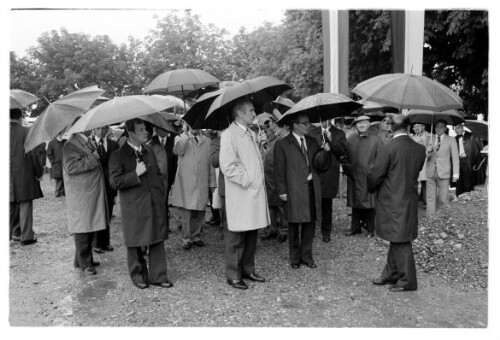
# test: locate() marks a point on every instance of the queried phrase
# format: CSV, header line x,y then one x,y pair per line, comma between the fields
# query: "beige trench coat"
x,y
241,164
84,186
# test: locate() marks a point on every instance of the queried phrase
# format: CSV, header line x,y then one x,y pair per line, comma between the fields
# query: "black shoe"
x,y
370,234
295,265
254,277
199,243
187,246
95,263
109,248
213,222
310,264
353,232
141,285
381,281
16,238
90,271
166,284
27,243
98,250
282,238
269,237
326,238
395,288
238,284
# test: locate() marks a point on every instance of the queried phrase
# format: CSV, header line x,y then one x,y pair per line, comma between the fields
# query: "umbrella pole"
x,y
183,99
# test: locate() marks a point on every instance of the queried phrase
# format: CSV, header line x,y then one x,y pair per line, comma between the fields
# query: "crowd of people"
x,y
259,177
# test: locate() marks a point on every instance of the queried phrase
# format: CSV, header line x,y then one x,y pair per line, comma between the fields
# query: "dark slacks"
x,y
21,220
300,249
240,251
326,216
367,215
464,183
423,192
400,267
83,250
138,268
59,191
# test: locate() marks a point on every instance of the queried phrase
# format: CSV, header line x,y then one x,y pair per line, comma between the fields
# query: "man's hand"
x,y
283,197
96,154
140,168
455,178
262,136
325,146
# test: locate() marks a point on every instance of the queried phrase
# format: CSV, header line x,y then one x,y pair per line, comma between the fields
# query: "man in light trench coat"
x,y
246,200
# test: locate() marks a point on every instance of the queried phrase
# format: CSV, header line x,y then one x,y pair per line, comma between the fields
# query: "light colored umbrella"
x,y
20,99
120,109
451,117
59,114
408,91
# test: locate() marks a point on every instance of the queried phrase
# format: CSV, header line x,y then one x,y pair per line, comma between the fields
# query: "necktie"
x,y
304,151
163,141
196,139
101,149
438,145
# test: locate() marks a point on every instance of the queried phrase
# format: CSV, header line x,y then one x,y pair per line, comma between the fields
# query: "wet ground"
x,y
45,289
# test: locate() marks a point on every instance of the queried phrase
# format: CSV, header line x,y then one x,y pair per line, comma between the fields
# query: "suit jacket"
x,y
104,161
54,154
394,174
86,202
24,168
445,160
362,151
142,199
171,158
338,148
162,158
291,172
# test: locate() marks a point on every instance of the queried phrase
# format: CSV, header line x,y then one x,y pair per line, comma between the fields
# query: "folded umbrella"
x,y
59,114
259,91
121,109
20,99
408,91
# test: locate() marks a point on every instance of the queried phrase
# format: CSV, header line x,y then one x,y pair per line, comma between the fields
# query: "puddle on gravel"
x,y
96,290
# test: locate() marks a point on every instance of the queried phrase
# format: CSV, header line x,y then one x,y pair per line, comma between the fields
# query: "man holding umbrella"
x,y
362,149
246,199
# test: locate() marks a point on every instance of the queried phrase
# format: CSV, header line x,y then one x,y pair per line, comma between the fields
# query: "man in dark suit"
x,y
469,153
105,146
133,171
26,172
299,186
394,174
167,140
334,141
54,154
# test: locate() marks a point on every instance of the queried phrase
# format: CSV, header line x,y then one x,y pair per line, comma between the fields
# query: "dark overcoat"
x,y
54,154
394,174
361,151
291,172
24,168
338,148
472,147
142,199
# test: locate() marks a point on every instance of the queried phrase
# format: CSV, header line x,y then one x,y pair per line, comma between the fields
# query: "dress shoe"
x,y
98,250
395,288
326,238
26,243
141,285
268,237
353,232
166,284
254,277
199,243
295,265
16,238
381,281
238,284
310,264
90,271
109,248
96,263
282,238
370,234
213,222
187,246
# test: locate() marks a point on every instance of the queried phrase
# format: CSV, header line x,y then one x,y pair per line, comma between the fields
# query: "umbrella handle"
x,y
477,167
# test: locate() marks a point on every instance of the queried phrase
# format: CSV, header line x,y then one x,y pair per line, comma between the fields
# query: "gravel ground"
x,y
45,289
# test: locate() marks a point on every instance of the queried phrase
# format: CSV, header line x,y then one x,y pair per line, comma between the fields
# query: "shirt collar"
x,y
299,138
399,134
136,149
241,126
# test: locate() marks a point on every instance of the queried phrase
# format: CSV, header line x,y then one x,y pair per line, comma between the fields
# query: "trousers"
x,y
21,220
138,268
400,267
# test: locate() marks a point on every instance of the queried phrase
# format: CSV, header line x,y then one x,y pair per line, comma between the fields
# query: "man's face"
x,y
302,126
362,125
418,128
160,132
140,135
247,113
386,124
101,132
440,128
459,129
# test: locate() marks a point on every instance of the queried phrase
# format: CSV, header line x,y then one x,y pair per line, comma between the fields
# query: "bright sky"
x,y
121,23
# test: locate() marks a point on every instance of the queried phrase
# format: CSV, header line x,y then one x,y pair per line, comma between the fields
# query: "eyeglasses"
x,y
304,123
387,121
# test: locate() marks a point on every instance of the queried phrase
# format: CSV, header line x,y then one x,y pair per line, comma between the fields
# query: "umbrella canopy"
x,y
20,99
477,127
373,109
282,104
120,109
59,114
181,82
408,91
163,120
323,106
197,113
451,117
259,91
